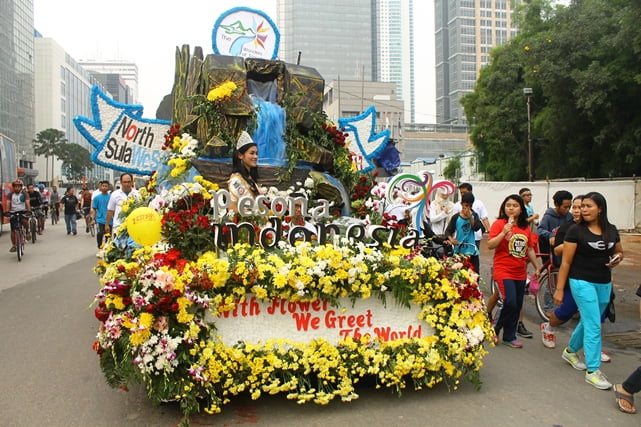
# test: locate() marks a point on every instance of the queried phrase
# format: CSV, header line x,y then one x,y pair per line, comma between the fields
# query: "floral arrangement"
x,y
156,307
179,149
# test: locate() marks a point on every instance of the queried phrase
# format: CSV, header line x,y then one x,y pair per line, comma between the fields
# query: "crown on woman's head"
x,y
243,140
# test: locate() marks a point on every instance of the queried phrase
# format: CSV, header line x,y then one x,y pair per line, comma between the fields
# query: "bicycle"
x,y
18,233
92,226
544,297
33,228
40,219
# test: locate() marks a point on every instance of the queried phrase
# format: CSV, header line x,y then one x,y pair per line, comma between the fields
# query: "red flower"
x,y
101,314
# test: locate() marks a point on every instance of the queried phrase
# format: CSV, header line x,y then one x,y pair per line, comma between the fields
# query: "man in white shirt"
x,y
478,207
115,201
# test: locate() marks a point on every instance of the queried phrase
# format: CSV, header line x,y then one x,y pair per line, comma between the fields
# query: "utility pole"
x,y
527,91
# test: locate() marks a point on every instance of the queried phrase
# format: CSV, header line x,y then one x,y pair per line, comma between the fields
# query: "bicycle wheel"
x,y
19,239
33,228
545,295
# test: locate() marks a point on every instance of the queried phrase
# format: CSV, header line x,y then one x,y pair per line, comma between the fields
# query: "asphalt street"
x,y
50,376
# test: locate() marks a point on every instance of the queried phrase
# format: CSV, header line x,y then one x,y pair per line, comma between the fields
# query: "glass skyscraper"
x,y
332,36
466,31
17,77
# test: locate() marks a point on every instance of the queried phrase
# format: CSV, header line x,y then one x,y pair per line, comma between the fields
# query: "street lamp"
x,y
527,91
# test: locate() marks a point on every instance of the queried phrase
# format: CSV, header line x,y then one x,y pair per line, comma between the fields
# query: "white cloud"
x,y
148,32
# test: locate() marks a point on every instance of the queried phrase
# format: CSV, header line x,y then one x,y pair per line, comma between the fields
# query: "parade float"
x,y
199,304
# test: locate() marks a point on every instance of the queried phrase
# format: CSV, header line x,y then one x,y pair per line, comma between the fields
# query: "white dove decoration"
x,y
364,141
123,139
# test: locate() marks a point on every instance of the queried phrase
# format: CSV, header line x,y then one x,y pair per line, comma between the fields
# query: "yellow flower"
x,y
223,90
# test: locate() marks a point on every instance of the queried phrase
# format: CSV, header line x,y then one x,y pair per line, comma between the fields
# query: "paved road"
x,y
49,375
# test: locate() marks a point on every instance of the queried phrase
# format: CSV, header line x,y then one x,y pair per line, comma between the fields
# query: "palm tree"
x,y
48,143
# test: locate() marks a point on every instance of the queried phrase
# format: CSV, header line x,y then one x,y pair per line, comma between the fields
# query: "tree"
x,y
453,169
582,62
76,160
48,143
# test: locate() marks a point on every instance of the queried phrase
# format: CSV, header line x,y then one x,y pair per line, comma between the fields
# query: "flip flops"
x,y
620,396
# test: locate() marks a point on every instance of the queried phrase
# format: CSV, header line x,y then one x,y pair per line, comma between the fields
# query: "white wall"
x,y
620,196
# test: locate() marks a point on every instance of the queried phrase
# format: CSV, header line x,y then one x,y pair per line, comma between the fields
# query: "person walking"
x,y
590,250
85,205
532,217
624,392
113,220
511,238
98,213
54,200
552,219
71,205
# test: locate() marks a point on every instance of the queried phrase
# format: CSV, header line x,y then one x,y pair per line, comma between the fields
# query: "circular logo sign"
x,y
245,32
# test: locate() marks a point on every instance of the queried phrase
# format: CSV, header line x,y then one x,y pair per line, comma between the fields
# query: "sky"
x,y
147,32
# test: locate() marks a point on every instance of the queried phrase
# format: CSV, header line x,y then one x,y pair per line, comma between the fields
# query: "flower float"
x,y
165,311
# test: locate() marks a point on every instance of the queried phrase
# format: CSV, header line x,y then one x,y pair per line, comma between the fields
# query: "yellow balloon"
x,y
143,225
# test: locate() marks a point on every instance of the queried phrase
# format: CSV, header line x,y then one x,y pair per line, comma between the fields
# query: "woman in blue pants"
x,y
590,250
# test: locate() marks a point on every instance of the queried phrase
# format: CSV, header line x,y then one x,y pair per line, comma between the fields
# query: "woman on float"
x,y
512,240
244,176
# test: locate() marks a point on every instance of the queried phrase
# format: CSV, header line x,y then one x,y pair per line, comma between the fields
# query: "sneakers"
x,y
13,249
513,344
522,331
605,358
598,380
74,233
547,336
573,359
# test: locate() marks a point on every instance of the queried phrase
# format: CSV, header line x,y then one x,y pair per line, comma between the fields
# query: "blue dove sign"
x,y
122,138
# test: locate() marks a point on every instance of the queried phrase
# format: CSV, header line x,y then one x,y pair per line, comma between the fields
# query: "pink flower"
x,y
165,281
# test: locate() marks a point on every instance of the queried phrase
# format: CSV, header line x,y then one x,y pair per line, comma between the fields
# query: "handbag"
x,y
78,215
610,312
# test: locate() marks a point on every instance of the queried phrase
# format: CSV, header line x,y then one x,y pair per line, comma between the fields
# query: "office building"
x,y
17,80
333,36
465,32
369,40
394,49
119,77
63,91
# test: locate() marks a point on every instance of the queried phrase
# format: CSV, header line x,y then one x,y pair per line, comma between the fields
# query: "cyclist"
x,y
85,205
46,197
36,205
18,202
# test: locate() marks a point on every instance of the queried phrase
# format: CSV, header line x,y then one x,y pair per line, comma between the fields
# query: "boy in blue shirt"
x,y
99,210
460,230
